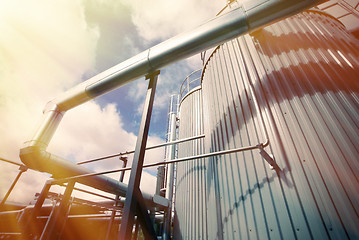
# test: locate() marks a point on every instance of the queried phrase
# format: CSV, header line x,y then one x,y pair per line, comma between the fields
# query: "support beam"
x,y
22,170
31,229
41,199
144,218
133,193
58,219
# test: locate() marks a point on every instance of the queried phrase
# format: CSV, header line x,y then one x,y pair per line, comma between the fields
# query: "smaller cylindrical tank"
x,y
190,220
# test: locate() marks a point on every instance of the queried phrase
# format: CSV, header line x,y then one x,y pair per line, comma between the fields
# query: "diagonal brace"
x,y
144,218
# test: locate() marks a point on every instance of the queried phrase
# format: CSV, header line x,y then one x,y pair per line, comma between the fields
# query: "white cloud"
x,y
194,62
88,132
161,19
45,48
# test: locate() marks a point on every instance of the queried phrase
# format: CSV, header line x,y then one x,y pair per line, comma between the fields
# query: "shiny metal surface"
x,y
135,203
190,221
191,81
170,178
215,31
218,30
305,75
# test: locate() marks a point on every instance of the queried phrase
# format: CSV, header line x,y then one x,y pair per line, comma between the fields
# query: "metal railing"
x,y
190,82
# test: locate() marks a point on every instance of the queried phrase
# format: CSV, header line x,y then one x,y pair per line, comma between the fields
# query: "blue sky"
x,y
121,38
47,47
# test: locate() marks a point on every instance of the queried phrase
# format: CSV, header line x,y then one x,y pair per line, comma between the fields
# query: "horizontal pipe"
x,y
214,32
212,154
149,148
60,168
12,162
99,217
252,15
249,17
93,193
87,216
46,208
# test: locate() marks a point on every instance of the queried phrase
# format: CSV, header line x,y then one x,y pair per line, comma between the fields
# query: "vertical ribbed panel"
x,y
190,203
304,71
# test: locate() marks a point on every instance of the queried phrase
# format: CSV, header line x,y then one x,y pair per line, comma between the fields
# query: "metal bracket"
x,y
152,75
268,157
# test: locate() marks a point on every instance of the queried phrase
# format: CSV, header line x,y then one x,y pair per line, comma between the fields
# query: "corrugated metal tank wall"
x,y
304,71
190,202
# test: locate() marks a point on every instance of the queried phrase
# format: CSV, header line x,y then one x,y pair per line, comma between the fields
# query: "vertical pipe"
x,y
122,175
160,179
170,175
110,225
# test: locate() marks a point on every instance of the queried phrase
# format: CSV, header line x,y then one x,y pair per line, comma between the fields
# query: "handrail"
x,y
148,148
12,162
205,155
186,88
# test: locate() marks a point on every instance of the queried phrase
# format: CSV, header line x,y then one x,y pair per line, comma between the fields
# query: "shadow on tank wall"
x,y
304,76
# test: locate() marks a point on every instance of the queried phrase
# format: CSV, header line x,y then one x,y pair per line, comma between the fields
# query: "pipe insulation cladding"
x,y
248,17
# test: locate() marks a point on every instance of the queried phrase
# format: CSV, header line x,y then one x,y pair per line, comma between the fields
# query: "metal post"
x,y
49,217
144,218
65,217
133,195
110,228
40,200
160,180
135,233
58,218
170,176
22,169
122,175
28,219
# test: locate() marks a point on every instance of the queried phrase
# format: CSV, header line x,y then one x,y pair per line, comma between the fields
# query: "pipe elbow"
x,y
37,158
34,157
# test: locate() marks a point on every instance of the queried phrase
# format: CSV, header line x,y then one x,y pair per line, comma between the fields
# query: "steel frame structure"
x,y
250,16
134,199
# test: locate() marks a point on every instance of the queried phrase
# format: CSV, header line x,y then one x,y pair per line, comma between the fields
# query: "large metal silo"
x,y
295,84
303,73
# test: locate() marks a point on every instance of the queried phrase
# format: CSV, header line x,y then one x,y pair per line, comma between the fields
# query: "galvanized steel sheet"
x,y
304,71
